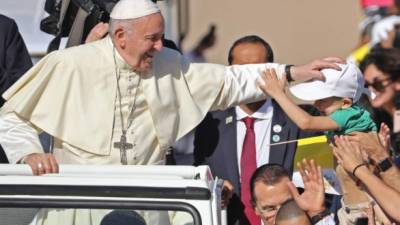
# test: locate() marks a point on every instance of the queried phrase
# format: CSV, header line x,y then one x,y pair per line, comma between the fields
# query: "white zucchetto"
x,y
133,9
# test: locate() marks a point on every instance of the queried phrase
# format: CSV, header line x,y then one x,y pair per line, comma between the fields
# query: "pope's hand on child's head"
x,y
270,84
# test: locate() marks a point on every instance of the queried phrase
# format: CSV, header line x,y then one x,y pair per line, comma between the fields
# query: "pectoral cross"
x,y
123,146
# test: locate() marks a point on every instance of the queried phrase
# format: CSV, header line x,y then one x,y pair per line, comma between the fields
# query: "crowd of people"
x,y
139,98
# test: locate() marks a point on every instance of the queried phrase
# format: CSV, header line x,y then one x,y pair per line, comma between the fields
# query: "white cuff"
x,y
18,138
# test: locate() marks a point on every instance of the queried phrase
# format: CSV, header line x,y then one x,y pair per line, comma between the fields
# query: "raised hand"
x,y
384,136
270,83
313,70
313,197
370,143
348,155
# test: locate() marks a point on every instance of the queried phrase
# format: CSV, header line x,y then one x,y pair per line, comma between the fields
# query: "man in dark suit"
x,y
14,59
219,139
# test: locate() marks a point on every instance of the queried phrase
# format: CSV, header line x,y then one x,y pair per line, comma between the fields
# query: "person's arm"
x,y
240,85
275,88
350,157
21,144
370,143
387,198
18,138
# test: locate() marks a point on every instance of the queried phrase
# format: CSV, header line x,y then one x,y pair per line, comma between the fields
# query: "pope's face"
x,y
142,41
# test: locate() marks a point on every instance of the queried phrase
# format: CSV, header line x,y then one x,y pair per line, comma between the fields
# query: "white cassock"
x,y
72,95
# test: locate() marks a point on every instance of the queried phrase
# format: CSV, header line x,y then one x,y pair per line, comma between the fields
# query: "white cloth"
x,y
381,29
133,9
327,220
74,98
164,116
262,130
19,137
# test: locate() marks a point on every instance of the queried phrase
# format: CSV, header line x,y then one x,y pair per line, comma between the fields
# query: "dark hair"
x,y
289,210
386,60
123,217
253,39
268,174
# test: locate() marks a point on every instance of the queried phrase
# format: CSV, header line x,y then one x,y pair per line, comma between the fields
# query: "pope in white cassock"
x,y
123,99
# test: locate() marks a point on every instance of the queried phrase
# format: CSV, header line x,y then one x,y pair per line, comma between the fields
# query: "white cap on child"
x,y
349,82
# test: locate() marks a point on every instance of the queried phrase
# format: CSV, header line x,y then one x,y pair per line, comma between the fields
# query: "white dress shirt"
x,y
262,130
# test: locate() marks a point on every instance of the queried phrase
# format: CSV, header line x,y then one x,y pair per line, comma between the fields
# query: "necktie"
x,y
248,164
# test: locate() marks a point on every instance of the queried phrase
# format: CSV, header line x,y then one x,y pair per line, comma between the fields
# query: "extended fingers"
x,y
316,172
272,73
334,59
325,64
53,164
269,74
303,172
338,150
384,129
312,169
340,143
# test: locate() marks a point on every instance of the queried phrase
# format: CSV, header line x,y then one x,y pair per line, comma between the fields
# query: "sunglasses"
x,y
378,85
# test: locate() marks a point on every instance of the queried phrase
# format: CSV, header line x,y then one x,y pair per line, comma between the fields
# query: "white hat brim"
x,y
311,91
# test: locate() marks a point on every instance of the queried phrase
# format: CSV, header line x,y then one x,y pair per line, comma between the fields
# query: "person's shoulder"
x,y
81,52
68,57
6,23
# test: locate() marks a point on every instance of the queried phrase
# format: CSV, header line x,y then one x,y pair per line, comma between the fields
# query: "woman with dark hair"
x,y
381,67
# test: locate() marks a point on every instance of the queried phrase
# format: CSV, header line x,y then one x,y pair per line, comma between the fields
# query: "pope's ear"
x,y
120,37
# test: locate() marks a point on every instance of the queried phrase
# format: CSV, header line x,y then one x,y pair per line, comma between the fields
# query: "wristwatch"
x,y
315,219
384,165
289,77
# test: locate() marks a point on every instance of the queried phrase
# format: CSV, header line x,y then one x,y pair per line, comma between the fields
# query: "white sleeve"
x,y
327,220
18,138
240,84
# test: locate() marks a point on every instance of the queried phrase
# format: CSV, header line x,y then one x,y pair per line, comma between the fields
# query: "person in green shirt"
x,y
336,98
350,119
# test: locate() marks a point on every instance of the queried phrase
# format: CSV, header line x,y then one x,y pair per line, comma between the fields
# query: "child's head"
x,y
291,214
329,105
339,90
